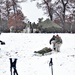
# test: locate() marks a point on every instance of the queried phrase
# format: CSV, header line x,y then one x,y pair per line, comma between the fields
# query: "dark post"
x,y
13,66
51,64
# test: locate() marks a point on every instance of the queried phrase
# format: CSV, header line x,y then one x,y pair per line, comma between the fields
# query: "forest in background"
x,y
61,12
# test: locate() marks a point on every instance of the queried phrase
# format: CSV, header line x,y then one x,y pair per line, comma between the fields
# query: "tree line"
x,y
60,11
10,11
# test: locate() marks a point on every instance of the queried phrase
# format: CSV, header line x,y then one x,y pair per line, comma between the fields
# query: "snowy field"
x,y
22,47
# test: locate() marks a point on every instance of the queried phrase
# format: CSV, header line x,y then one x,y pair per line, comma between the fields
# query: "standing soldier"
x,y
52,41
56,41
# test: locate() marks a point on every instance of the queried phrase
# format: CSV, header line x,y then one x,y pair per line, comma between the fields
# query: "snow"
x,y
22,47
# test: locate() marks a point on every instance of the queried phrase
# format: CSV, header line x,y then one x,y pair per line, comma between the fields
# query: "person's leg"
x,y
11,70
15,72
58,47
54,45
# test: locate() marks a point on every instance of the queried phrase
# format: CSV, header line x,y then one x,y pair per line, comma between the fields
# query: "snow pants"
x,y
57,47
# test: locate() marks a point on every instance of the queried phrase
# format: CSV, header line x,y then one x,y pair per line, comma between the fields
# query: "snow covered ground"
x,y
22,47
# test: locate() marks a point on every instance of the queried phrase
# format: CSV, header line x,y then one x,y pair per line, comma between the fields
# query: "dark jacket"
x,y
53,38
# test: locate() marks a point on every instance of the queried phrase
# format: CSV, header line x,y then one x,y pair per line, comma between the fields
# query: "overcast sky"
x,y
30,10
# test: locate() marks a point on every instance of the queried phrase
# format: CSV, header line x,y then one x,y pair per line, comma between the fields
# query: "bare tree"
x,y
47,7
60,9
2,13
72,12
9,6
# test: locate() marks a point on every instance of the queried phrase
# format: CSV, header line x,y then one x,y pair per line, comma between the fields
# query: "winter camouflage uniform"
x,y
56,42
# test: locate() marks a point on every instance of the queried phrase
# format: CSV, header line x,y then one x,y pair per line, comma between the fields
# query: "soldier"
x,y
56,41
52,41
